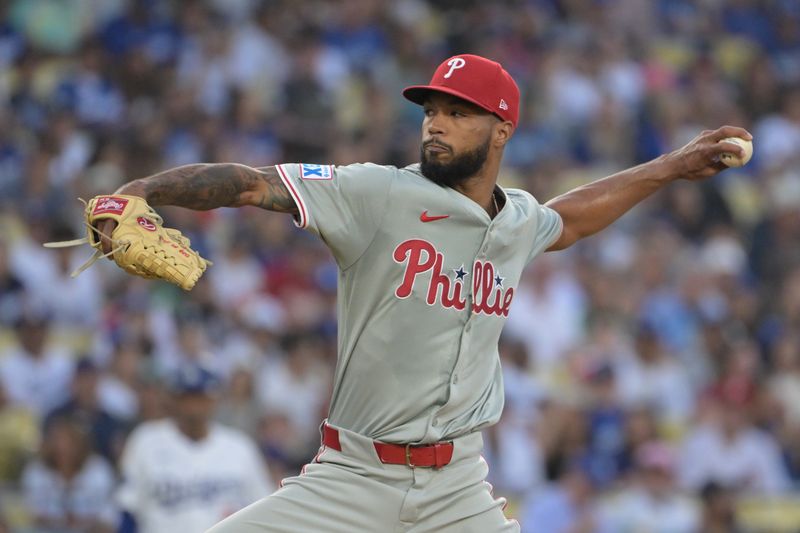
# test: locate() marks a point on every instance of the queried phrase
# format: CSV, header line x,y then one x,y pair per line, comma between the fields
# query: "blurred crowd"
x,y
652,372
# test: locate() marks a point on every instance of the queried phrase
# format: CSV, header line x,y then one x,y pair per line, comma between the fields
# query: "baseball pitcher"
x,y
429,259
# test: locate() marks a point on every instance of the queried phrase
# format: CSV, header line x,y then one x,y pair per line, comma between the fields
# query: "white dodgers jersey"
x,y
171,483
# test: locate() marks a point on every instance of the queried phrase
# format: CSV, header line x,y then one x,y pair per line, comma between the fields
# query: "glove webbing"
x,y
98,254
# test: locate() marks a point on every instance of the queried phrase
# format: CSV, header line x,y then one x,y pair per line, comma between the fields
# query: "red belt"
x,y
423,455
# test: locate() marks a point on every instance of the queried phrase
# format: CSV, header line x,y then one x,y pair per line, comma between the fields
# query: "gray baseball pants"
x,y
351,491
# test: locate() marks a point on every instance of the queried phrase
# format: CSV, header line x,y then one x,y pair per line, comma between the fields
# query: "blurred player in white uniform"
x,y
186,473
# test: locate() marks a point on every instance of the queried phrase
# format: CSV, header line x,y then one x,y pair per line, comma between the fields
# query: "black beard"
x,y
458,170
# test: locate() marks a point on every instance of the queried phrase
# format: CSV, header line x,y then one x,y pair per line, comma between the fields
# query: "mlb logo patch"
x,y
316,172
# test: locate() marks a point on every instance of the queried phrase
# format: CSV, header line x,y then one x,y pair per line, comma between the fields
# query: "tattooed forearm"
x,y
208,186
273,194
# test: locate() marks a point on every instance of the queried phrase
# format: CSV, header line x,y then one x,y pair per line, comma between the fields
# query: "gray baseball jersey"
x,y
426,279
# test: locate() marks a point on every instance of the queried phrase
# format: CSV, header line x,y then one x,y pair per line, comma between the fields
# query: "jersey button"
x,y
455,379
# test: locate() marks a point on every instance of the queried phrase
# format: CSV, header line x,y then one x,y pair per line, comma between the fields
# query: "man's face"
x,y
84,387
194,409
32,336
657,481
456,136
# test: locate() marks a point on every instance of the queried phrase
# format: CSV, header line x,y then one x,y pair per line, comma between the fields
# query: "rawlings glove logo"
x,y
146,224
110,204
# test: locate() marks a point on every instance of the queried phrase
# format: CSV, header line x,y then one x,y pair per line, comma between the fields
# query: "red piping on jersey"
x,y
316,457
295,196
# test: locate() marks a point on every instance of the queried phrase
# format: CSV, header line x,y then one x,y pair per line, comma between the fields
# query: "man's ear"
x,y
502,133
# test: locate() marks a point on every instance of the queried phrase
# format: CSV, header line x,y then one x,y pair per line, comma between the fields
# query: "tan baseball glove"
x,y
140,244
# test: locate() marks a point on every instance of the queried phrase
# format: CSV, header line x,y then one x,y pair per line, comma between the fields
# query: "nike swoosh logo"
x,y
425,217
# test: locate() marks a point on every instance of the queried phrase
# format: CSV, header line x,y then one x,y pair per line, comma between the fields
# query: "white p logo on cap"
x,y
454,64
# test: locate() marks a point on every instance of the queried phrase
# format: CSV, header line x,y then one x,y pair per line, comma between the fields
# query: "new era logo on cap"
x,y
475,79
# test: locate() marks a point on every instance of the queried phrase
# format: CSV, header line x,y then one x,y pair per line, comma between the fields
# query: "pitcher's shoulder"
x,y
412,169
367,169
521,199
409,174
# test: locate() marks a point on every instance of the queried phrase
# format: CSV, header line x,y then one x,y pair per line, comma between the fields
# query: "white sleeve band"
x,y
302,210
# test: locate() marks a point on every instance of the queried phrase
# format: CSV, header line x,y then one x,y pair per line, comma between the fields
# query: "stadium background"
x,y
626,358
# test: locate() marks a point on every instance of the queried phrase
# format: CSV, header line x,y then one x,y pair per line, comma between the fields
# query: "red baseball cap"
x,y
475,79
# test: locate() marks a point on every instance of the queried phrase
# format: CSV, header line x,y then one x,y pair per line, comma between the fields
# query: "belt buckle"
x,y
408,457
409,464
437,463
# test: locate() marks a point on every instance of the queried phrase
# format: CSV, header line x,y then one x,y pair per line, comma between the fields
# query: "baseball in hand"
x,y
734,160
